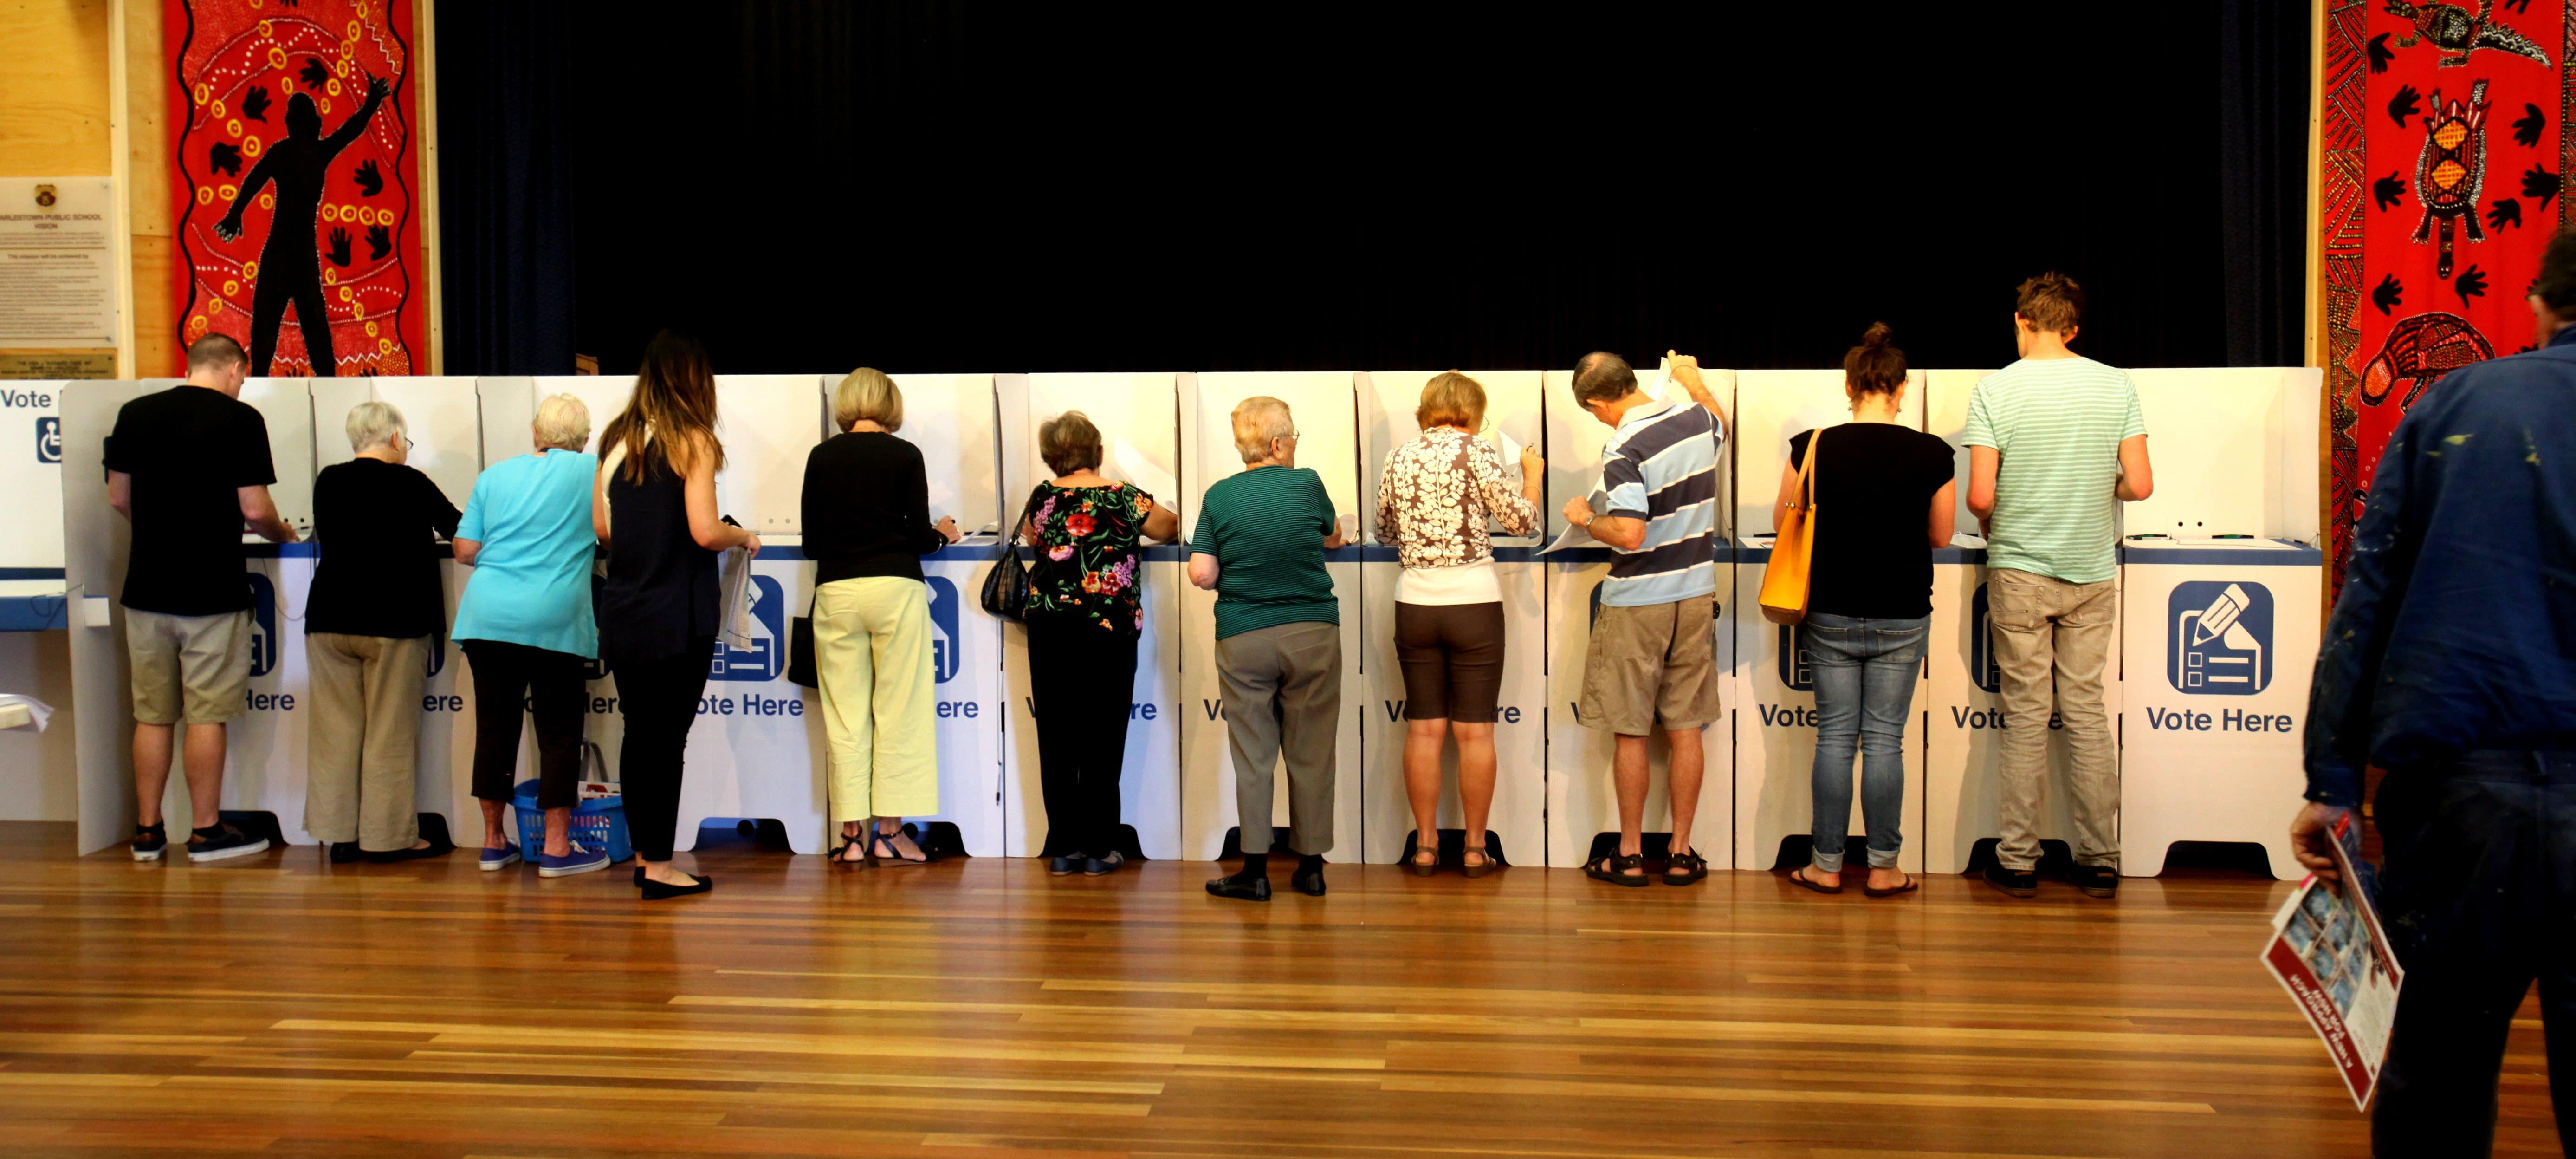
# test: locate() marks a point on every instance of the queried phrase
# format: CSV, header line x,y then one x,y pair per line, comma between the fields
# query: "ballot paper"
x,y
1142,472
1662,381
23,712
735,594
2330,953
1575,536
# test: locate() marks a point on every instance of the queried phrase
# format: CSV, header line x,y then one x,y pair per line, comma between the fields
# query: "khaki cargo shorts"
x,y
1652,667
188,667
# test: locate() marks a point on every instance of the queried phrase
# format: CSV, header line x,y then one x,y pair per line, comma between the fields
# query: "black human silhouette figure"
x,y
290,262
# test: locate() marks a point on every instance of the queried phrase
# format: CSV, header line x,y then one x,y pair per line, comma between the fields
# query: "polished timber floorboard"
x,y
280,1006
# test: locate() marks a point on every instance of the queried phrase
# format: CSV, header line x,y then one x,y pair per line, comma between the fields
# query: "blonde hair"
x,y
1451,399
1258,422
374,424
563,421
1069,443
867,394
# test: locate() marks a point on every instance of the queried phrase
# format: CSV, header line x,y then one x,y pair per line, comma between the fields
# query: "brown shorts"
x,y
1453,660
1650,667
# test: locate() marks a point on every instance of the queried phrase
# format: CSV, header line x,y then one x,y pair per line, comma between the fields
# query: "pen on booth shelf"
x,y
2151,535
2231,537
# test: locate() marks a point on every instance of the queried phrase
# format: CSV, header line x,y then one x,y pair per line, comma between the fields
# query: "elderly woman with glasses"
x,y
375,610
1259,544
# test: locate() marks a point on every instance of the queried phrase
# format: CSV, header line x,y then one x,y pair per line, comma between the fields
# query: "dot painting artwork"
x,y
296,183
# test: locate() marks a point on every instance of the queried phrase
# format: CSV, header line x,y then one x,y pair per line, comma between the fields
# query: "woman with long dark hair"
x,y
654,505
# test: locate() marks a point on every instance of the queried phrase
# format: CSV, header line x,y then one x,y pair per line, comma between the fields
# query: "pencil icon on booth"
x,y
2219,616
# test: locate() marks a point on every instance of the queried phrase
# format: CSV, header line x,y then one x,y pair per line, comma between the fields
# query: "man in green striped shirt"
x,y
2056,442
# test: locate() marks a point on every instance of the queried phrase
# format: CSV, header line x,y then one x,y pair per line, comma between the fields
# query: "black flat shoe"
x,y
656,891
1066,865
1308,882
2017,882
1103,866
344,852
2096,880
1241,887
639,877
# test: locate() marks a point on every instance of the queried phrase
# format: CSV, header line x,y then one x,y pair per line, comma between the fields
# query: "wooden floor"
x,y
280,1006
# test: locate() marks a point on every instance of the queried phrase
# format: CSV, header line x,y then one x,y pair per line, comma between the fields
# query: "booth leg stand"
x,y
2221,643
1963,743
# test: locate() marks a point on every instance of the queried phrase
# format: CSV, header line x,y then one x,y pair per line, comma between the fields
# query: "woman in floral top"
x,y
1433,502
1083,618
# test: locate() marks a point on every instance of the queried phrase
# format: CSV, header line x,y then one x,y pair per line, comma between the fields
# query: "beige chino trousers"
x,y
363,747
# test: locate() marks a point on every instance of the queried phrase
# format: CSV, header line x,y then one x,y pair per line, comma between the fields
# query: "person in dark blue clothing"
x,y
2450,662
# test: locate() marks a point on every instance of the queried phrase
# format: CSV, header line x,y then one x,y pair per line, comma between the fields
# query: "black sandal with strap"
x,y
1613,868
1684,868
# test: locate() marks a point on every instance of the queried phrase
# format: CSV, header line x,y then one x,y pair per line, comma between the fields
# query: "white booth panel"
x,y
1514,416
1139,420
444,772
2235,452
1581,804
757,748
1771,407
1963,738
443,417
1775,738
508,407
1575,438
769,423
1322,405
1945,413
31,416
265,745
286,406
2221,643
954,420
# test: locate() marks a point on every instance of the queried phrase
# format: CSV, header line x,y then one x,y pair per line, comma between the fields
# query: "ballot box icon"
x,y
943,628
2219,638
1982,665
767,655
263,625
1797,671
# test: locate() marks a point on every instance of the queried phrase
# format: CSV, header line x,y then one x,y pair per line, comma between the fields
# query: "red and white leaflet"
x,y
2331,954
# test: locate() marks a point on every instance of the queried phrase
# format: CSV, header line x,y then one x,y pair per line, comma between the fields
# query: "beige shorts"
x,y
187,667
1650,667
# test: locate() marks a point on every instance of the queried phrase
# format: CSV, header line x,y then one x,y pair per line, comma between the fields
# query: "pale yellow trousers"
x,y
872,652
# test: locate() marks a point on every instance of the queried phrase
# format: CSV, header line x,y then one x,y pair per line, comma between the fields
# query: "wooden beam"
x,y
424,71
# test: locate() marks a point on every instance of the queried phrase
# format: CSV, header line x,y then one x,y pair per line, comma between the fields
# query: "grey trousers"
x,y
1283,698
2054,636
362,752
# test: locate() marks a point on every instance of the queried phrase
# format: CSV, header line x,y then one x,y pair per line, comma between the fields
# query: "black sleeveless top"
x,y
660,598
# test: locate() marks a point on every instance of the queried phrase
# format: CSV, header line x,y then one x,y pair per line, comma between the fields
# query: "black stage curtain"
x,y
506,186
814,185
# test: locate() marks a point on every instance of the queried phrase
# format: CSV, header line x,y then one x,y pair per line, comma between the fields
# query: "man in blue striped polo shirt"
x,y
1652,660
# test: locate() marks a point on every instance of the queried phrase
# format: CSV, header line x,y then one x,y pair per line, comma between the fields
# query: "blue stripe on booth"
x,y
35,613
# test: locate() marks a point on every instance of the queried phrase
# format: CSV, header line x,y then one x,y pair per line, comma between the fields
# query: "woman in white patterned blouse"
x,y
1433,502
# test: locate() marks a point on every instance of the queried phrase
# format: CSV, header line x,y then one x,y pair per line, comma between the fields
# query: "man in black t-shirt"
x,y
190,466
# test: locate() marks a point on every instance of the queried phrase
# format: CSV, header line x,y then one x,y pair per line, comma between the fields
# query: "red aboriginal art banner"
x,y
296,183
2445,143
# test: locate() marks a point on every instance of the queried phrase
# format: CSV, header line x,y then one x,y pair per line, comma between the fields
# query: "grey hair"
x,y
563,421
1258,422
374,424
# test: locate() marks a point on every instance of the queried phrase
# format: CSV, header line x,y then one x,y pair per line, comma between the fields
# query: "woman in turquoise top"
x,y
526,626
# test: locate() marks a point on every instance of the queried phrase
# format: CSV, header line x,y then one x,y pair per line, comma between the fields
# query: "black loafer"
x,y
1310,884
1064,866
656,891
344,852
2017,882
1103,866
2096,880
1241,887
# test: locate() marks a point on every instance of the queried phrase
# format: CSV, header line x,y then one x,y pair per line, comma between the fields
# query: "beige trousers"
x,y
364,745
2053,637
872,653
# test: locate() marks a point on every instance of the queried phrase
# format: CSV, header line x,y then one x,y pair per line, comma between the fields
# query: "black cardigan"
x,y
867,508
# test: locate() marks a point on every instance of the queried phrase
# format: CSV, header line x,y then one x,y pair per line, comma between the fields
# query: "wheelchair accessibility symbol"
x,y
2218,638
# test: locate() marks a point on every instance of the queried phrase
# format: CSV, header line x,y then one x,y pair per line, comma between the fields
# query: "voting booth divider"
x,y
2234,448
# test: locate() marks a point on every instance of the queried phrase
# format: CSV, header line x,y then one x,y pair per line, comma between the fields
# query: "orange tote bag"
x,y
1793,551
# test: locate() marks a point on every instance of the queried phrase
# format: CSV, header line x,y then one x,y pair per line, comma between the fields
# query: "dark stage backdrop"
x,y
814,185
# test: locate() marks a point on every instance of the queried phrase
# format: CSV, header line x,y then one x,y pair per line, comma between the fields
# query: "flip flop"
x,y
1799,875
1910,884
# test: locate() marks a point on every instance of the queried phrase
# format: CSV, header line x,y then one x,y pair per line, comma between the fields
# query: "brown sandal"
x,y
1799,875
1484,862
1416,866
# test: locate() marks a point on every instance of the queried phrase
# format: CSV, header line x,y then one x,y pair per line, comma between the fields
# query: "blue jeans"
x,y
1865,674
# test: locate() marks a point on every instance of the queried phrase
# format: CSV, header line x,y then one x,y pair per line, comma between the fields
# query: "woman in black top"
x,y
867,525
657,612
1883,498
374,611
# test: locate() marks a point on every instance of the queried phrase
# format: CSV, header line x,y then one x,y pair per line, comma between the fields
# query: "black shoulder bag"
x,y
1006,591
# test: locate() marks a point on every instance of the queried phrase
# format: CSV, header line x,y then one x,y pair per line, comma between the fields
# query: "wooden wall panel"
x,y
53,91
147,140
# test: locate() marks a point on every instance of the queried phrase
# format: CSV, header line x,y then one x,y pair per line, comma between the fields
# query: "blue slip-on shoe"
x,y
581,859
502,858
223,842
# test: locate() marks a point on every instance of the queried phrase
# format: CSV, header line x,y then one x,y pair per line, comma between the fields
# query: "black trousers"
x,y
1081,684
660,700
2479,896
512,681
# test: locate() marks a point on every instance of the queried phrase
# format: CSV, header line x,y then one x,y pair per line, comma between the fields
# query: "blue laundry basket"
x,y
596,822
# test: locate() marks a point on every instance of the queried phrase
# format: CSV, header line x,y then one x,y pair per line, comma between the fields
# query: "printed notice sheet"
x,y
2331,954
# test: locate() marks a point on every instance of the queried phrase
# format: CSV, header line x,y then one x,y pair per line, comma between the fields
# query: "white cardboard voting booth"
x,y
1518,819
1775,709
1139,419
1581,803
1322,405
952,418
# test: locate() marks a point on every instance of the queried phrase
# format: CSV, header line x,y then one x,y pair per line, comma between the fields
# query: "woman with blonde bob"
x,y
526,625
1260,544
656,493
1434,500
867,525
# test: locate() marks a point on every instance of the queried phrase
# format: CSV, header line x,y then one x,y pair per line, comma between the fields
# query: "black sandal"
x,y
840,856
890,855
1799,876
1684,868
1614,867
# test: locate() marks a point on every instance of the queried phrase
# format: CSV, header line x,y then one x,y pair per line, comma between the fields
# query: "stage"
x,y
280,1005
